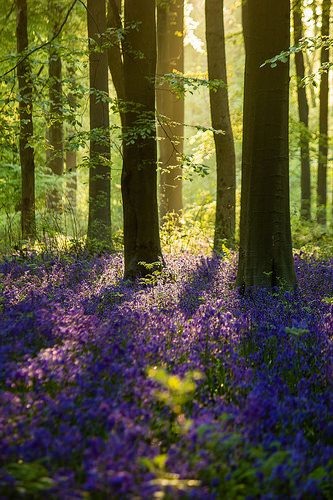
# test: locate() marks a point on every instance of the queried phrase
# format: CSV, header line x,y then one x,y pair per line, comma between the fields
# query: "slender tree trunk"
x,y
115,56
56,134
99,220
55,130
71,155
71,170
170,38
309,64
28,223
139,176
220,113
303,111
323,119
311,58
265,257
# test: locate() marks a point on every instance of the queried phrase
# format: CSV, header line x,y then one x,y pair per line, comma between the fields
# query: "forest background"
x,y
169,383
56,227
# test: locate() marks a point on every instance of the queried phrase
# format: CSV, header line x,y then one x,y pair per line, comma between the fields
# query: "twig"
x,y
45,44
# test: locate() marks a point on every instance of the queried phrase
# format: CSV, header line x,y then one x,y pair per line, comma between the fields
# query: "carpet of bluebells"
x,y
175,387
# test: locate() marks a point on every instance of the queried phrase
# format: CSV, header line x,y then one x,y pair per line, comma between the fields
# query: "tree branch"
x,y
45,44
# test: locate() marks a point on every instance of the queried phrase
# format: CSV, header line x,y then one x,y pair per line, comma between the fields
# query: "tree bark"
x,y
55,136
265,257
220,115
170,38
99,219
115,56
303,111
323,119
28,222
115,59
71,155
139,175
71,170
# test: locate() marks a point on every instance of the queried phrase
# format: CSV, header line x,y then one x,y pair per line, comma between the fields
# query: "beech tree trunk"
x,y
303,111
323,119
170,38
265,257
28,222
55,156
139,175
115,56
220,114
71,170
71,155
56,135
99,219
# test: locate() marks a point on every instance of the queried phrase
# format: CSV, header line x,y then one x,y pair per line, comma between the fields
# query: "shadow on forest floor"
x,y
199,282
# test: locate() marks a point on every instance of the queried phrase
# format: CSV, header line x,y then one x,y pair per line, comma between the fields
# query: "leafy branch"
x,y
23,57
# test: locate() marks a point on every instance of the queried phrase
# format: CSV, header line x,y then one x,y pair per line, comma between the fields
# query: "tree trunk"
x,y
71,170
303,111
311,58
139,175
220,114
55,131
28,222
115,56
265,257
309,64
323,119
71,155
99,220
170,38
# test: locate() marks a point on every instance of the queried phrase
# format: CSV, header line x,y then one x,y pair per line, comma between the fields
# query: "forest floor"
x,y
175,387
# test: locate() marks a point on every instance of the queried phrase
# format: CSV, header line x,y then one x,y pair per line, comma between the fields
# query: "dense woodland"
x,y
166,249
